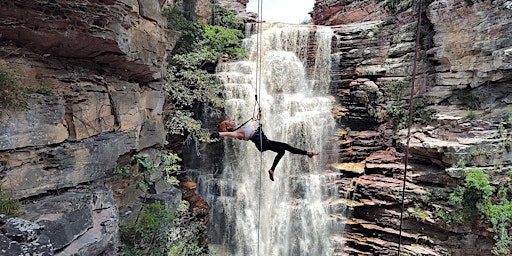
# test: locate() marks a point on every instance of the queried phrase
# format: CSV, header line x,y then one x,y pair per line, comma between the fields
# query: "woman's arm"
x,y
238,134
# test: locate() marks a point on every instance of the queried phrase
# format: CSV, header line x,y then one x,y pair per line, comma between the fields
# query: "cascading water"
x,y
250,214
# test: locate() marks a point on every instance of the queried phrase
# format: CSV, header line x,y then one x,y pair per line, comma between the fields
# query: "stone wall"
x,y
463,79
98,69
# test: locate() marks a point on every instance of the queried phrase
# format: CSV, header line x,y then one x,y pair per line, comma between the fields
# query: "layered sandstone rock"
x,y
98,67
463,76
126,38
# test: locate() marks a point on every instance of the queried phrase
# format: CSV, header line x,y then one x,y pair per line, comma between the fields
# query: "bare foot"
x,y
271,175
312,153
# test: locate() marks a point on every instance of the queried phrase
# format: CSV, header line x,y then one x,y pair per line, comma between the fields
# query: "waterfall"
x,y
249,212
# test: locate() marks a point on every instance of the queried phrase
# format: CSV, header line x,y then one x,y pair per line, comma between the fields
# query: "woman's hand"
x,y
214,135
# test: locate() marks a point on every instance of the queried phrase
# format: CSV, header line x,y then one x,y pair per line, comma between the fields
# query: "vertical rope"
x,y
258,99
411,106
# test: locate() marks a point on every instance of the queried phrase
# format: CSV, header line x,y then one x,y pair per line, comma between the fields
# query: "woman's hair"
x,y
224,126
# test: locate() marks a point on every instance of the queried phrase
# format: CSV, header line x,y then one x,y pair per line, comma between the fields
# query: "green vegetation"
x,y
461,163
508,146
141,169
397,109
420,112
148,234
471,115
221,40
426,197
501,130
13,96
394,89
472,198
16,88
158,231
8,206
443,215
476,199
190,85
226,18
416,212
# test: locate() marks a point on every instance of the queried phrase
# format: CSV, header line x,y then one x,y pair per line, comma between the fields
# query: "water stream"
x,y
250,214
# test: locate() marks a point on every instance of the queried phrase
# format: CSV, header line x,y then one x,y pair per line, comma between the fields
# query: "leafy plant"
x,y
471,115
189,84
461,163
191,32
221,40
226,18
421,114
426,197
148,234
168,165
474,196
501,130
145,170
443,215
9,206
394,89
476,199
171,167
500,216
187,243
123,171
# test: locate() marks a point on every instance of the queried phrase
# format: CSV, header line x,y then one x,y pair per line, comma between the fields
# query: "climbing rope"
x,y
411,105
259,30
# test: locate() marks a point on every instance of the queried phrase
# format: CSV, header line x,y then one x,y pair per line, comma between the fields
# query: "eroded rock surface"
x,y
461,113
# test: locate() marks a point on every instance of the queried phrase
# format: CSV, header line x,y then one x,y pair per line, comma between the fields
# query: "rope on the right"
x,y
411,105
258,99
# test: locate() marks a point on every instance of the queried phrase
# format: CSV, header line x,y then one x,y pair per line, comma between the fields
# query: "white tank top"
x,y
247,132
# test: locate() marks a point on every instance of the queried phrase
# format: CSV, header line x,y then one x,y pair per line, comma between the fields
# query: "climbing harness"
x,y
254,115
411,99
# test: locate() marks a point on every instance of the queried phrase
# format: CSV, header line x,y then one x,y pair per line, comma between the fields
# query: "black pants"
x,y
264,144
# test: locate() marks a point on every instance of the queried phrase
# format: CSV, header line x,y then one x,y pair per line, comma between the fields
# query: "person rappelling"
x,y
229,129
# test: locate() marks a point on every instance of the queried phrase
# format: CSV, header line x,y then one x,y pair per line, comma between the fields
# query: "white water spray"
x,y
249,212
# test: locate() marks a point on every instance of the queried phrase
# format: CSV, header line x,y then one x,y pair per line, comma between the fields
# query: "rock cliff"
x,y
461,111
97,68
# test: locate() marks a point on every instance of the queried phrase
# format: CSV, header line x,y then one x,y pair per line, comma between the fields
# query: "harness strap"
x,y
240,126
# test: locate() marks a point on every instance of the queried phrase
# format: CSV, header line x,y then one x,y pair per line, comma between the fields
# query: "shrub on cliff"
x,y
477,199
191,84
160,232
226,18
9,206
190,87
